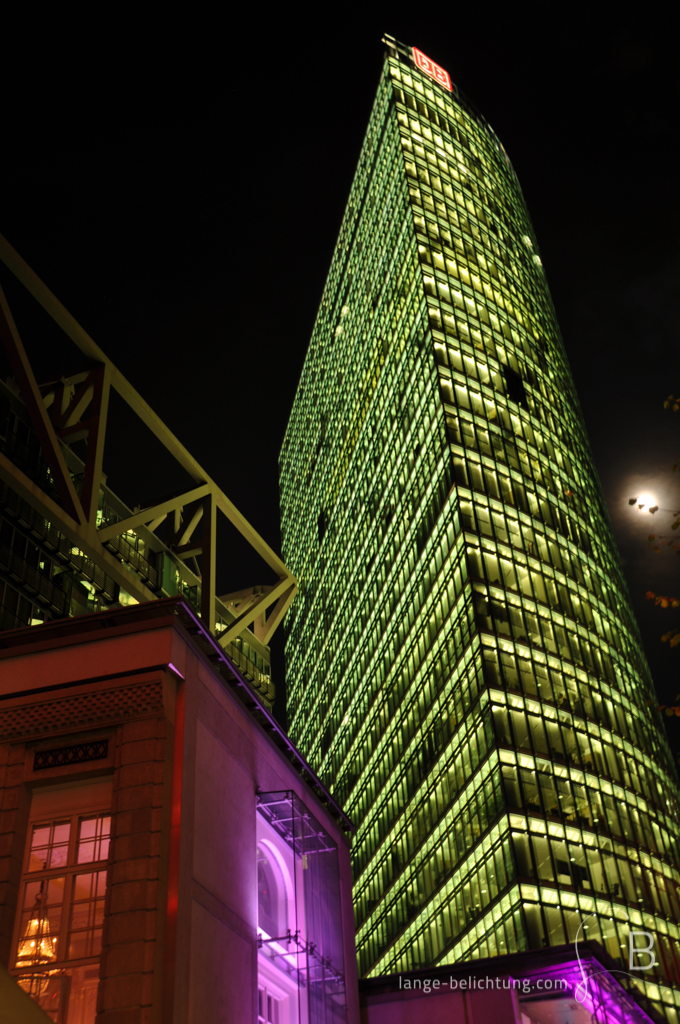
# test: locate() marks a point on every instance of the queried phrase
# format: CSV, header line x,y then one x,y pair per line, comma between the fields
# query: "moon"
x,y
647,500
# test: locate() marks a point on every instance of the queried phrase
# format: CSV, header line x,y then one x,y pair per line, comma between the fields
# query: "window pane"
x,y
49,846
93,839
88,827
87,915
62,831
41,836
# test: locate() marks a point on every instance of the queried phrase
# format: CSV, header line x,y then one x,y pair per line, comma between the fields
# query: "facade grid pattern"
x,y
462,661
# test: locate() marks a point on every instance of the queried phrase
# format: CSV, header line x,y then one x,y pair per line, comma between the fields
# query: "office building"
x,y
463,665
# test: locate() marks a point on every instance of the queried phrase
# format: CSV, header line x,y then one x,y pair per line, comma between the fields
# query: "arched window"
x,y
271,894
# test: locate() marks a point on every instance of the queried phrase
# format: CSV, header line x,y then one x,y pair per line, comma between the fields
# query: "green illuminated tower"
x,y
463,665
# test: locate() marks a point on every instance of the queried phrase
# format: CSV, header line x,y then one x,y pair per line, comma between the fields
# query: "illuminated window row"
x,y
306,441
592,839
556,474
539,566
431,601
461,812
492,328
500,344
469,893
411,681
554,415
486,326
431,233
398,651
422,879
455,838
407,821
561,588
468,331
557,686
450,216
379,244
331,437
562,529
487,477
469,862
440,789
513,613
550,859
474,220
601,871
383,582
386,477
542,792
550,545
362,525
446,154
497,390
555,925
554,682
394,673
587,801
393,589
557,921
444,271
437,933
444,244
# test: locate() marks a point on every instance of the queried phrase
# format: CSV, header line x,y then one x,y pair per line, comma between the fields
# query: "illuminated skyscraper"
x,y
463,665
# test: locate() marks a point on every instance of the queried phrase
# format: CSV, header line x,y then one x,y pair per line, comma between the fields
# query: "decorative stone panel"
x,y
81,710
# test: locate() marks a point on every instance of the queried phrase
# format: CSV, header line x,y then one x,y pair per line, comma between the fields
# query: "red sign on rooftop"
x,y
433,70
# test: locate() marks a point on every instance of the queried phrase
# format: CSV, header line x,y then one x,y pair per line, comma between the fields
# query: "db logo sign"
x,y
635,951
432,69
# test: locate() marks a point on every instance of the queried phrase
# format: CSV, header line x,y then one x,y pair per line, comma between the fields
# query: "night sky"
x,y
181,193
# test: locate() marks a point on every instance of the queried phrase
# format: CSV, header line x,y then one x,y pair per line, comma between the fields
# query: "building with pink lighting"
x,y
165,852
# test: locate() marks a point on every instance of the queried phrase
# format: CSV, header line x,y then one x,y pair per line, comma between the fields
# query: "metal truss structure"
x,y
75,408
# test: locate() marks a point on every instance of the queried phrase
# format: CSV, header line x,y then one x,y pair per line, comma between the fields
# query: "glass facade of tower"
x,y
462,662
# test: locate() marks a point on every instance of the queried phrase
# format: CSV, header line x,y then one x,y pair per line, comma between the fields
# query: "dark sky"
x,y
181,192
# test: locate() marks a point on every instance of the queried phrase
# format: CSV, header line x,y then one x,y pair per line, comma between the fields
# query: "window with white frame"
x,y
267,1007
58,932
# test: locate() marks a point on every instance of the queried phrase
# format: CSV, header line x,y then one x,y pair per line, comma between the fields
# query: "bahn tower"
x,y
463,664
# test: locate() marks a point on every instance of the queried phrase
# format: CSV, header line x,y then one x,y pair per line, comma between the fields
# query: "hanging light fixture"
x,y
37,946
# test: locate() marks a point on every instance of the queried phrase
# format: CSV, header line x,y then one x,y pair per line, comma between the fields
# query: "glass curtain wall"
x,y
463,665
305,940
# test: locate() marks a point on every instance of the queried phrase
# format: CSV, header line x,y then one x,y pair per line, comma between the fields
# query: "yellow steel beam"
x,y
148,515
96,436
188,533
208,562
251,613
42,424
275,617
